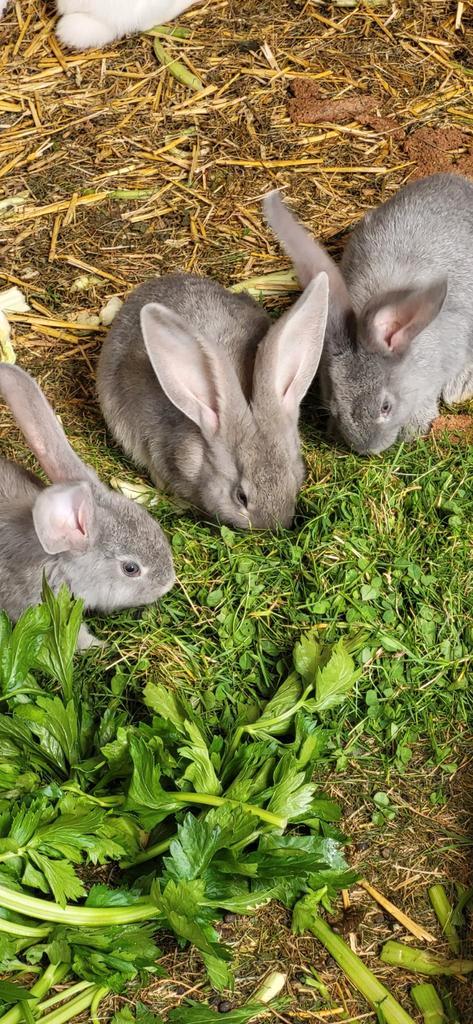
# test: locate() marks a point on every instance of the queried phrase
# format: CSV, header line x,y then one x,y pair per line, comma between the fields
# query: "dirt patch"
x,y
458,428
439,149
309,104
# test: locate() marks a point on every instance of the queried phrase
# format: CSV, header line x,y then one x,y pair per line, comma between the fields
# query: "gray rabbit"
x,y
400,324
198,388
108,550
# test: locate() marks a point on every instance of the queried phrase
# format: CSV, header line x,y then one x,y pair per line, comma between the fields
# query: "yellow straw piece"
x,y
399,915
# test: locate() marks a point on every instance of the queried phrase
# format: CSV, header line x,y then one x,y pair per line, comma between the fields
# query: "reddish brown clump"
x,y
308,104
439,149
458,428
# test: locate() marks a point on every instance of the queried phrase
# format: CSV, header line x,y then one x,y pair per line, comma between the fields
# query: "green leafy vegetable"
x,y
212,809
335,680
64,620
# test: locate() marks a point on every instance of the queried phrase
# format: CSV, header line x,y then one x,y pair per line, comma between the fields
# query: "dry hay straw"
x,y
112,171
116,171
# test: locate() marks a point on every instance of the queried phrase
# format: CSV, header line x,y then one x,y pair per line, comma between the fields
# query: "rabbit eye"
x,y
386,407
241,497
131,569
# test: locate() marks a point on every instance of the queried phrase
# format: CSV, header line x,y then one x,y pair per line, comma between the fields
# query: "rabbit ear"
x,y
194,378
64,518
390,322
40,427
309,258
288,357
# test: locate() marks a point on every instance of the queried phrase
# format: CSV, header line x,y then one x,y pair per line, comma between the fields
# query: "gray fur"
x,y
400,326
200,390
114,530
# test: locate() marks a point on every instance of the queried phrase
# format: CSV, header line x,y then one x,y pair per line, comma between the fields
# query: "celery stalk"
x,y
421,961
307,918
45,910
221,801
75,1006
94,1006
169,30
270,988
149,853
23,931
60,997
426,1000
53,974
444,914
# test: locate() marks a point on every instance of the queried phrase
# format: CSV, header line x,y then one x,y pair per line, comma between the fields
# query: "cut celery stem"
x,y
24,931
66,993
451,1013
53,974
426,999
270,988
359,975
421,961
94,1006
93,917
74,1006
444,914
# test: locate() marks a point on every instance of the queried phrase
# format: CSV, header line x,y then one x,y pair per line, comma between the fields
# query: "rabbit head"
x,y
243,463
108,550
365,377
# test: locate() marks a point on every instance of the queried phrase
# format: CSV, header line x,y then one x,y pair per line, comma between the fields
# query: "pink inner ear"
x,y
81,523
63,517
386,326
390,334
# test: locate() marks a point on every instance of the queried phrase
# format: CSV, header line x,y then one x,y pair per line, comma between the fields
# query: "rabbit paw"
x,y
86,640
81,31
460,389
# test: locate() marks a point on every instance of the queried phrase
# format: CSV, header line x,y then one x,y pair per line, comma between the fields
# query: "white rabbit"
x,y
89,23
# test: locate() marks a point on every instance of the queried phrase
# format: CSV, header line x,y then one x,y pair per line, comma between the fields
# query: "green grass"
x,y
381,545
382,548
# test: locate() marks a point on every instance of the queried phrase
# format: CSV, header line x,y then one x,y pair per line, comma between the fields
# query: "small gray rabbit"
x,y
400,323
198,388
108,550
